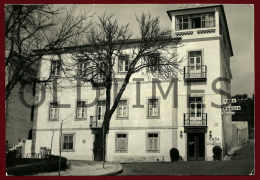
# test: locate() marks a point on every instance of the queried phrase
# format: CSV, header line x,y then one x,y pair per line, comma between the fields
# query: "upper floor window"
x,y
82,68
55,68
194,21
122,108
153,108
123,63
81,109
153,62
54,110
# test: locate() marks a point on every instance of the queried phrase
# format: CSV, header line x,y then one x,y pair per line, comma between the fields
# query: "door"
x,y
196,146
195,111
100,112
97,140
195,67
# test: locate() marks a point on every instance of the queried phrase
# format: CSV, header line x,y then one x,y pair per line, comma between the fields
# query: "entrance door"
x,y
97,140
196,146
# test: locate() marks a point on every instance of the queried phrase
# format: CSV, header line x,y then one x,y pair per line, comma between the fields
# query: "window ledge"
x,y
80,119
122,72
122,118
68,150
153,151
153,117
121,151
56,119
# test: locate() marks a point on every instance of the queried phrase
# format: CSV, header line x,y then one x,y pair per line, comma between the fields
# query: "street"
x,y
242,163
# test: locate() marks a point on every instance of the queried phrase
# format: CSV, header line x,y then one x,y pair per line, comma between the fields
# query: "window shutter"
x,y
125,111
53,68
58,67
120,65
51,113
56,113
119,111
150,143
155,143
126,63
155,109
83,112
150,110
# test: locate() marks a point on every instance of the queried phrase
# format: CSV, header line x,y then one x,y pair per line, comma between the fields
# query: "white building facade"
x,y
145,127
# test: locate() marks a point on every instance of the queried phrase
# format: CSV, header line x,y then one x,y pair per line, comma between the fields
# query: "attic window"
x,y
195,21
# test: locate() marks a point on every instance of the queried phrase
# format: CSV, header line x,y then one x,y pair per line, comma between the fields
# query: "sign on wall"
x,y
214,141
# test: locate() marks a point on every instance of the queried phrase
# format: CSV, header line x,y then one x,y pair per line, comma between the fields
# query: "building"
x,y
192,125
19,118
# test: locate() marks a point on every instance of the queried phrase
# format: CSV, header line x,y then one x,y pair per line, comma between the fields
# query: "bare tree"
x,y
151,54
32,27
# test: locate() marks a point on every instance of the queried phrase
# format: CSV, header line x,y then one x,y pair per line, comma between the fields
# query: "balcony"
x,y
195,73
96,121
195,119
98,80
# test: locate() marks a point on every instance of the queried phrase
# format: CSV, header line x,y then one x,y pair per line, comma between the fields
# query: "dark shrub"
x,y
217,151
10,158
174,153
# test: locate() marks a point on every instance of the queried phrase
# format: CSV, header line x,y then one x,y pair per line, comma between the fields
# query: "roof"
x,y
88,46
201,6
193,6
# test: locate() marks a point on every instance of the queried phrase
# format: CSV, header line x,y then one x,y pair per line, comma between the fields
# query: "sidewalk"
x,y
247,147
88,168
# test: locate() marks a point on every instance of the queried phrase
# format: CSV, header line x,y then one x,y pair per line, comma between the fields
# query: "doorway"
x,y
98,138
196,146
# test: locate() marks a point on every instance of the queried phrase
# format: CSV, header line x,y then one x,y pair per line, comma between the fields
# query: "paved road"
x,y
242,163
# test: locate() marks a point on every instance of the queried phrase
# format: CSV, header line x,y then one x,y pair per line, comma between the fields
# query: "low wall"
x,y
28,166
239,133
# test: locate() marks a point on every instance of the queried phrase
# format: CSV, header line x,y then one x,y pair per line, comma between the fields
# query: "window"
x,y
82,70
55,68
121,142
99,75
123,63
195,108
68,142
153,142
101,109
81,109
153,108
153,62
194,21
122,109
54,110
195,69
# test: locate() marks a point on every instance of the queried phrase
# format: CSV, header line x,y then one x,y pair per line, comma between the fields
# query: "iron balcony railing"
x,y
96,121
195,72
195,119
98,80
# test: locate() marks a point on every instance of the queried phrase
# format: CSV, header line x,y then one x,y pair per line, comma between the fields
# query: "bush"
x,y
217,151
10,158
38,166
174,153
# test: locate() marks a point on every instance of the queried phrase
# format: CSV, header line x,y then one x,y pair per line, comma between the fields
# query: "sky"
x,y
241,34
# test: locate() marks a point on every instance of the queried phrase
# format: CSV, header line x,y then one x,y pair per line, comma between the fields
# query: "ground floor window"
x,y
68,142
121,142
153,142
